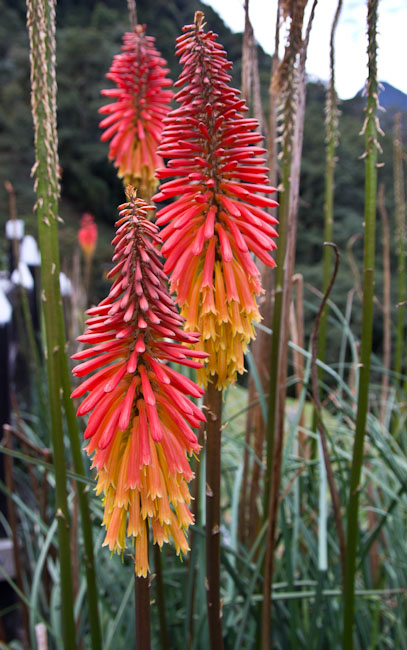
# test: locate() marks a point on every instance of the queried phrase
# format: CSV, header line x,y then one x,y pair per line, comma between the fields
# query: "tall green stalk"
x,y
371,144
400,201
42,39
41,21
330,160
331,138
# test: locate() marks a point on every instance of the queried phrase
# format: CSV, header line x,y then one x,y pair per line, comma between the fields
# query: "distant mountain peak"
x,y
390,97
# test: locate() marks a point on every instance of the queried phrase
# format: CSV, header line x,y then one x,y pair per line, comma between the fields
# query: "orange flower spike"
x,y
134,120
217,219
88,235
139,429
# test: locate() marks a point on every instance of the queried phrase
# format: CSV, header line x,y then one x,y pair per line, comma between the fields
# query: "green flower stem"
x,y
371,131
77,460
78,464
279,279
41,25
401,244
42,35
331,125
330,160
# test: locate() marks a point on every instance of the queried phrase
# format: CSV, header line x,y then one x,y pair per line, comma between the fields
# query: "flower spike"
x,y
139,429
134,120
218,219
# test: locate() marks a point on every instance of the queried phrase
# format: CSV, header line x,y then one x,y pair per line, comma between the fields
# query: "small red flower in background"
x,y
139,430
135,118
219,218
88,234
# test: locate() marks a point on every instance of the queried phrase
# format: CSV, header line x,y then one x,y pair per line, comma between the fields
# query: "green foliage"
x,y
307,601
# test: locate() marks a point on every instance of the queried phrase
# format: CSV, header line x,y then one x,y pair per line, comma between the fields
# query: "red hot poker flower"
x,y
134,120
219,217
88,234
139,430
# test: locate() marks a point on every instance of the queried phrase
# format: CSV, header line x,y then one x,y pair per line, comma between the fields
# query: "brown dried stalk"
x,y
274,99
142,612
255,425
213,399
12,207
159,588
294,132
294,10
195,495
250,71
131,4
257,103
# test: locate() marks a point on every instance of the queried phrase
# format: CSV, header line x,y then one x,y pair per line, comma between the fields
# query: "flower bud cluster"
x,y
134,120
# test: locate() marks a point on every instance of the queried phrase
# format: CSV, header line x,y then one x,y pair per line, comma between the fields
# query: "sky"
x,y
350,40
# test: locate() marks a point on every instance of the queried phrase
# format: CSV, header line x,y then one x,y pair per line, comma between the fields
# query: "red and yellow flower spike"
x,y
135,118
139,430
218,219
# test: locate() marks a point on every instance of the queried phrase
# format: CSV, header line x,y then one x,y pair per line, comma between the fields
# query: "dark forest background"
x,y
88,35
